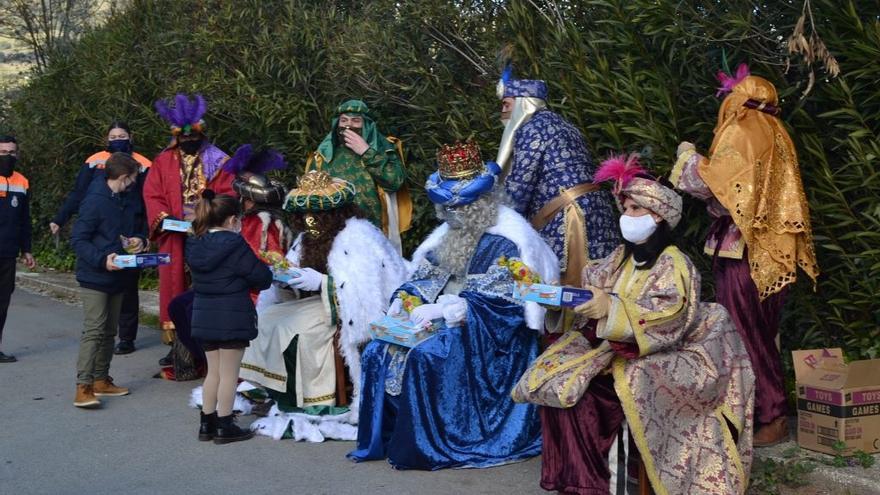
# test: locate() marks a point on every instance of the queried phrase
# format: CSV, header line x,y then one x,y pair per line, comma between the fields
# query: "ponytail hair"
x,y
213,210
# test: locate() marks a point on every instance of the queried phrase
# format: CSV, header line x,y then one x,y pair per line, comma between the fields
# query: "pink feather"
x,y
619,168
729,82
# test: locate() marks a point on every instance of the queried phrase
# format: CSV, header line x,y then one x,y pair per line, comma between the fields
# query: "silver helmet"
x,y
259,189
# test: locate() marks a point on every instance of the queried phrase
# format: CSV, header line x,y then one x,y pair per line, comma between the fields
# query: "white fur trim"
x,y
533,251
366,270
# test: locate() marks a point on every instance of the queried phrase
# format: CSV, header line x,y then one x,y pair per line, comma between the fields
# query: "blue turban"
x,y
532,88
459,192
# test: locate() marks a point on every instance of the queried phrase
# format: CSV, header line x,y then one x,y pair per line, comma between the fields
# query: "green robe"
x,y
381,168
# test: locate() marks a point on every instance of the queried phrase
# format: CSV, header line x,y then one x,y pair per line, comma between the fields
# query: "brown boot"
x,y
85,396
106,388
772,433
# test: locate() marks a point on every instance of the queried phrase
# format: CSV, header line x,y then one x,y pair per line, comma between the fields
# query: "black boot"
x,y
208,426
168,360
228,431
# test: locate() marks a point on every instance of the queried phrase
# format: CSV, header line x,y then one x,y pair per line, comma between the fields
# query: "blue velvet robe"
x,y
446,403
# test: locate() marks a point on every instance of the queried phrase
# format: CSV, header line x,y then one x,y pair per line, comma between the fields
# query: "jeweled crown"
x,y
459,161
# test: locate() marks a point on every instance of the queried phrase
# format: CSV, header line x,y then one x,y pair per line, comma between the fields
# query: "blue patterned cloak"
x,y
549,156
446,403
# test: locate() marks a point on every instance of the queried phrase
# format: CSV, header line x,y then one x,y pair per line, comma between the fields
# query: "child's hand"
x,y
110,265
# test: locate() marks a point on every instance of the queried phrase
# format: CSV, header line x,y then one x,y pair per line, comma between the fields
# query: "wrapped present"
x,y
284,275
146,260
176,225
398,329
551,295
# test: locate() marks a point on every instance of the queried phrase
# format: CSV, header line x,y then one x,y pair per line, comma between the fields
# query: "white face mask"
x,y
637,229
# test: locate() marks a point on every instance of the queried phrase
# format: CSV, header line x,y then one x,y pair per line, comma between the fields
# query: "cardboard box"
x,y
142,260
400,330
837,401
551,295
176,225
284,276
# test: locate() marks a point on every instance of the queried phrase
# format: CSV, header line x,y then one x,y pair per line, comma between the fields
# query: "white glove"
x,y
308,279
454,309
396,307
424,314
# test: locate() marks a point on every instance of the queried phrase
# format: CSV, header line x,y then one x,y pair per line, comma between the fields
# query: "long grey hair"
x,y
467,224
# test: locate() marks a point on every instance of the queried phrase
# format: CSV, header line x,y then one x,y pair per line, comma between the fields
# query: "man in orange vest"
x,y
119,139
15,227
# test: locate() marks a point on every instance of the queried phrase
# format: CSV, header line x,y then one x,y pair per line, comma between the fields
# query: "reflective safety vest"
x,y
99,160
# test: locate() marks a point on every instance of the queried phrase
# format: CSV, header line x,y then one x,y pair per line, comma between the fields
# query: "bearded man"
x,y
445,402
346,271
549,177
354,150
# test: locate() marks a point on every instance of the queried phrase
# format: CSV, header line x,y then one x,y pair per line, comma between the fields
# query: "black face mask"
x,y
119,145
7,165
190,147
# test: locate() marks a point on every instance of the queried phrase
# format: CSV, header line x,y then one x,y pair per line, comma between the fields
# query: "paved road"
x,y
145,443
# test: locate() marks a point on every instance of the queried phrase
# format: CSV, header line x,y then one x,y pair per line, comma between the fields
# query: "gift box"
x,y
142,260
400,330
551,295
284,275
176,225
838,403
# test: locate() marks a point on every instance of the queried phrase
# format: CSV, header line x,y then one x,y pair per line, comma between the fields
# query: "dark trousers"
x,y
128,317
7,285
577,440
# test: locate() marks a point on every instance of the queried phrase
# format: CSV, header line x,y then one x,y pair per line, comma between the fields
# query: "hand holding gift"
x,y
424,314
396,308
597,307
309,280
454,309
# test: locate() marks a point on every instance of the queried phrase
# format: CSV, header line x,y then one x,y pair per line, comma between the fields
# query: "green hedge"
x,y
632,74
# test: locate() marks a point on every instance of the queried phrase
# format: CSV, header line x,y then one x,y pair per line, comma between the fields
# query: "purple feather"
x,y
163,110
180,103
239,160
267,160
201,106
246,160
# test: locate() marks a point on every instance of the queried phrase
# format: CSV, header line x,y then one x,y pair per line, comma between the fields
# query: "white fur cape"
x,y
366,270
533,251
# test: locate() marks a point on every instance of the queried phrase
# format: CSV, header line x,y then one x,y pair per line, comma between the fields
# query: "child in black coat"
x,y
224,270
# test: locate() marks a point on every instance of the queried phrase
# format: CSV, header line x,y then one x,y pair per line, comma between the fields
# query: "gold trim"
x,y
322,398
635,424
678,168
730,446
264,372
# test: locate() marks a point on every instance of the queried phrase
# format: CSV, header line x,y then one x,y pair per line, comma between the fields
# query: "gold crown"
x,y
459,161
314,181
317,191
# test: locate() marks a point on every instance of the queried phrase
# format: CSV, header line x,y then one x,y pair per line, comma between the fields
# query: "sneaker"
x,y
168,360
85,396
106,388
7,358
124,347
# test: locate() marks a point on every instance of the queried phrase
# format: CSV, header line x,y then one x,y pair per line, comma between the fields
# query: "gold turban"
x,y
753,171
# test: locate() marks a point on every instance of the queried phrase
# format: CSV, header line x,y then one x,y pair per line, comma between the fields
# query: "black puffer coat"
x,y
224,270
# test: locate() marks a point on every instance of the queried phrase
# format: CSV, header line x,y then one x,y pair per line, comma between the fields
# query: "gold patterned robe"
x,y
692,378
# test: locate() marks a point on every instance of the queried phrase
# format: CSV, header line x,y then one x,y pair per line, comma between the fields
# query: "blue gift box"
x,y
146,260
551,295
285,275
400,330
176,225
